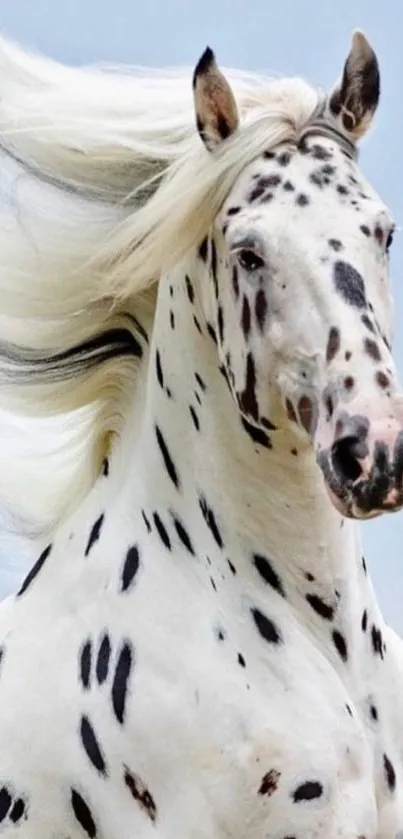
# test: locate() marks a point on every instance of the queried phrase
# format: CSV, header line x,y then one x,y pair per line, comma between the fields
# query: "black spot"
x,y
120,681
260,308
373,712
308,791
232,211
268,424
197,325
364,621
365,229
5,803
389,773
263,184
320,152
141,794
212,334
189,289
335,244
225,375
160,376
257,434
103,659
130,567
203,248
269,783
105,467
288,186
220,634
146,522
377,642
284,158
169,464
83,814
35,570
348,709
302,200
268,574
382,379
333,344
349,284
340,644
85,664
329,406
17,811
320,607
95,533
372,349
231,567
195,418
341,189
183,535
246,319
91,746
266,627
172,319
317,178
214,266
220,324
162,531
200,381
364,564
247,399
241,660
211,522
235,282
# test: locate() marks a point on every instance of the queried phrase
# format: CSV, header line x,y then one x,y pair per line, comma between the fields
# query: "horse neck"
x,y
193,460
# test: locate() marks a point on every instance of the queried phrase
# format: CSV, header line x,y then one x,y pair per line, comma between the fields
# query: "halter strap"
x,y
318,125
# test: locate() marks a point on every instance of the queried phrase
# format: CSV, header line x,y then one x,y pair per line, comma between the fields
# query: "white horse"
x,y
196,366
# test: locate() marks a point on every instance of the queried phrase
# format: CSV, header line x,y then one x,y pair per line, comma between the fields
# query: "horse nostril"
x,y
345,453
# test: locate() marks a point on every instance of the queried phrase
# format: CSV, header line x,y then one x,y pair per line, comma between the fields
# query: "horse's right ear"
x,y
216,110
355,98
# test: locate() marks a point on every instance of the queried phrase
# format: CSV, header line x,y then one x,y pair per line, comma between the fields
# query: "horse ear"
x,y
355,98
216,110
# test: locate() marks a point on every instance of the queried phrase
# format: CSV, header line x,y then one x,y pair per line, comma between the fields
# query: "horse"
x,y
197,379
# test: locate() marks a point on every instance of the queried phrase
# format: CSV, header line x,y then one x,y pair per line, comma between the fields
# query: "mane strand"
x,y
105,186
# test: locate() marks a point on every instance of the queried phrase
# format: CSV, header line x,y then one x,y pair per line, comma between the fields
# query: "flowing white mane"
x,y
105,185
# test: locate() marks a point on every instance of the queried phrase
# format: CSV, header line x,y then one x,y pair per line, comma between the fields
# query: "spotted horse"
x,y
196,358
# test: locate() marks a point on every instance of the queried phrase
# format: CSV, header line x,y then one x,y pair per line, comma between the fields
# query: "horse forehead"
x,y
306,176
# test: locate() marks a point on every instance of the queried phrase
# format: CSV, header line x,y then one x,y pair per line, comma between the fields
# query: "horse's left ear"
x,y
216,110
355,98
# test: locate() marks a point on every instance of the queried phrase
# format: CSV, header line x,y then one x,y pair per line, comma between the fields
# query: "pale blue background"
x,y
304,37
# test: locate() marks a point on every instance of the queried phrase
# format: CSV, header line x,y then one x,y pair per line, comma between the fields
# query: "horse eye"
x,y
389,240
249,260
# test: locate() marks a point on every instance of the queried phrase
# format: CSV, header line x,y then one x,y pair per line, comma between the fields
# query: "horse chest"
x,y
193,723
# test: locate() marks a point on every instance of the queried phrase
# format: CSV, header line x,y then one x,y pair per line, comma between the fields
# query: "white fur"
x,y
212,708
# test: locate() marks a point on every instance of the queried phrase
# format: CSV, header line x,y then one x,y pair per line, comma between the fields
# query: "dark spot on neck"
x,y
267,573
266,627
349,284
340,644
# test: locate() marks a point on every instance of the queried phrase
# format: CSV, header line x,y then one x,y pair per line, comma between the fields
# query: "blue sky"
x,y
309,39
